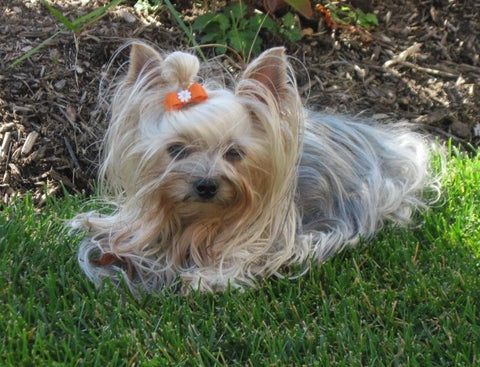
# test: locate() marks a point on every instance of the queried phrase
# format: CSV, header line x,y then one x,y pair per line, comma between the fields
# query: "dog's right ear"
x,y
267,74
143,59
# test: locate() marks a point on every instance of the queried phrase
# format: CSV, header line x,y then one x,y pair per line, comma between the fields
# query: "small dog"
x,y
215,187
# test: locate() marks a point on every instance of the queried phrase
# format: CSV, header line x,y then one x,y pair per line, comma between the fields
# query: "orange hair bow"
x,y
194,94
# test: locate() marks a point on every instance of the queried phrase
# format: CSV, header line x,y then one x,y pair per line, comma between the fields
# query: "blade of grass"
x,y
33,50
60,17
184,28
87,19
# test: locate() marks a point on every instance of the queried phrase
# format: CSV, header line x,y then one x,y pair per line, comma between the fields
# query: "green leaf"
x,y
371,18
267,23
237,11
202,20
244,24
210,22
288,20
223,21
60,17
237,43
304,7
367,21
293,35
212,37
256,46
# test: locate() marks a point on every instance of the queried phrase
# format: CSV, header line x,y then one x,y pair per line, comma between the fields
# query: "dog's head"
x,y
222,156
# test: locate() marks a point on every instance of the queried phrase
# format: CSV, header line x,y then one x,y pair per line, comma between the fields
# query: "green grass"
x,y
411,298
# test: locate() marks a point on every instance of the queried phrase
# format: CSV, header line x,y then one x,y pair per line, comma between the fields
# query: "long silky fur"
x,y
309,185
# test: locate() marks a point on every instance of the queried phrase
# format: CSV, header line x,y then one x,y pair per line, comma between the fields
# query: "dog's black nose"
x,y
206,188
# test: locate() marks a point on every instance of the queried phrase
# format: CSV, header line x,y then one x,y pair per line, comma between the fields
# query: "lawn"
x,y
410,298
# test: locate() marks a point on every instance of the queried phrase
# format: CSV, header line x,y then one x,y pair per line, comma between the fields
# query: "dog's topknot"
x,y
180,68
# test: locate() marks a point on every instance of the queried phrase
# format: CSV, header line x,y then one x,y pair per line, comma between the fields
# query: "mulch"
x,y
420,65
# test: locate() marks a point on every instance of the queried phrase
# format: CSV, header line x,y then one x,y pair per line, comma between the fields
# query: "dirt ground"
x,y
421,65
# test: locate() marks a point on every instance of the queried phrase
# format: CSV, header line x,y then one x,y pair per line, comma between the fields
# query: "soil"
x,y
420,65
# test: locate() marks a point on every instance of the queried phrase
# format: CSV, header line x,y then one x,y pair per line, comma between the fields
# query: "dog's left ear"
x,y
143,59
270,70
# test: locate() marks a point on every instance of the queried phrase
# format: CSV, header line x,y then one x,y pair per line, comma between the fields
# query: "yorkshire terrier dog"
x,y
214,187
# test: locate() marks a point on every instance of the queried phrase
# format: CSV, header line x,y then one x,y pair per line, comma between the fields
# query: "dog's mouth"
x,y
191,198
193,208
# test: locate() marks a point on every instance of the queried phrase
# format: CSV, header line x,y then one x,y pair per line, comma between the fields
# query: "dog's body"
x,y
233,186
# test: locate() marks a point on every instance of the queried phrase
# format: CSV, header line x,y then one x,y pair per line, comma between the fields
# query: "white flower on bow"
x,y
184,95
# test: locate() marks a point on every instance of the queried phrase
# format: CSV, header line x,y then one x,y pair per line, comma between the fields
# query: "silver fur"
x,y
354,177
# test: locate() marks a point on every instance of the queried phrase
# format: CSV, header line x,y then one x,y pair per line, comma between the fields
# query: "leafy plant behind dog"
x,y
233,28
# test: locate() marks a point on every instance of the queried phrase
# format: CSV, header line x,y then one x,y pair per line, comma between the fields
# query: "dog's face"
x,y
221,159
207,158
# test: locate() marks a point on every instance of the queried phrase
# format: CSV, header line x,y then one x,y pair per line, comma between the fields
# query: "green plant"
x,y
288,27
233,28
148,6
345,15
76,26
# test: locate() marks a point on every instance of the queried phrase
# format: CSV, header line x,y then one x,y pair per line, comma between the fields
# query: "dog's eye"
x,y
234,154
178,151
